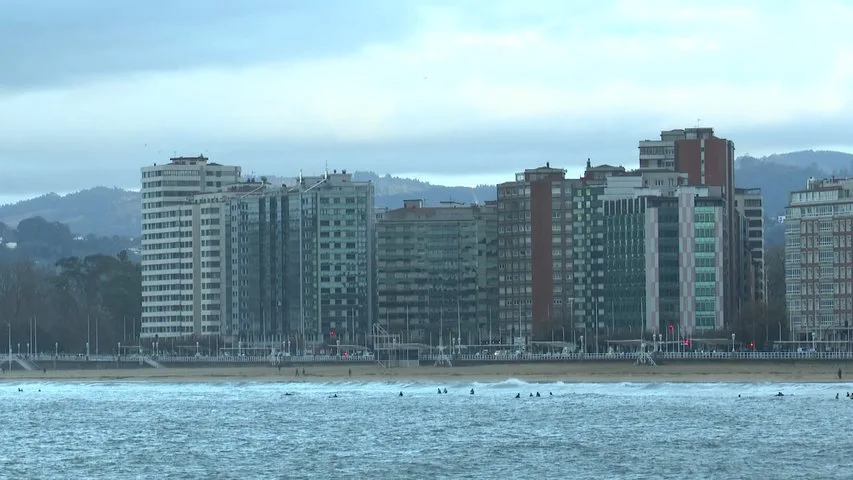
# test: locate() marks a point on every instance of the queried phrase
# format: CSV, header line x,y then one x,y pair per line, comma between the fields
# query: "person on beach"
x,y
839,374
297,372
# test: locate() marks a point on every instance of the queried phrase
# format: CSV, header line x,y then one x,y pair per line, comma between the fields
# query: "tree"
x,y
55,305
765,322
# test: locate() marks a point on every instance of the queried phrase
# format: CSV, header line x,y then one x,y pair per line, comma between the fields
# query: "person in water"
x,y
401,394
537,394
472,391
445,389
518,395
439,391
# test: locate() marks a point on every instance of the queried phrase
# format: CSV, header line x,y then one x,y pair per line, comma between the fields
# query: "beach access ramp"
x,y
152,363
26,364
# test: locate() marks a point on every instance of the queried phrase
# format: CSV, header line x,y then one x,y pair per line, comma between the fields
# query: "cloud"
x,y
441,86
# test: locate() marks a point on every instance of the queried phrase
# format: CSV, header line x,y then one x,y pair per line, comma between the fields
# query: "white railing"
x,y
528,357
428,357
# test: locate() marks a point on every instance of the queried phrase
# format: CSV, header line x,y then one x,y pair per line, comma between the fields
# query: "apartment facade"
x,y
330,253
819,260
750,206
437,273
182,264
534,255
647,257
706,160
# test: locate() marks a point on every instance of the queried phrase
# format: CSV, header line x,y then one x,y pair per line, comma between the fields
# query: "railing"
x,y
528,357
429,357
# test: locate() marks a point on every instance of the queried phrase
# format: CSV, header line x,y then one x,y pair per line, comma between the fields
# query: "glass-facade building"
x,y
645,259
301,259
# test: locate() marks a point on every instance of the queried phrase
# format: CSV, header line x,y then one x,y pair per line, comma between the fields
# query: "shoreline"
x,y
692,372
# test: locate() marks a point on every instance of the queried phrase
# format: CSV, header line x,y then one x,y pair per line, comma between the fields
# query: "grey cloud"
x,y
57,41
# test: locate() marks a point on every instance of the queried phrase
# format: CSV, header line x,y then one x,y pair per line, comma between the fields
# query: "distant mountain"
x,y
98,211
106,211
778,175
391,191
45,242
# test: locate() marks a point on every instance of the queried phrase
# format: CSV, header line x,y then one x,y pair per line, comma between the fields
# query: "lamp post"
x,y
118,355
733,342
10,345
55,354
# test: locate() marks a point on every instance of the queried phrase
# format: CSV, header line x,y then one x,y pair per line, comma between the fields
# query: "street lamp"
x,y
733,342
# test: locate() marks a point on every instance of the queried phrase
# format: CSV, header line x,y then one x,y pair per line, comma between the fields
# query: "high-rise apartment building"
x,y
819,260
182,270
330,252
437,273
648,254
750,206
707,160
534,255
299,266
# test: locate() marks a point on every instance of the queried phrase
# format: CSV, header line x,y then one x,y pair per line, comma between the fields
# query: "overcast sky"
x,y
453,91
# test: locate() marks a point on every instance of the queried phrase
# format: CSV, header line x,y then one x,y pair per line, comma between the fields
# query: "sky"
x,y
458,92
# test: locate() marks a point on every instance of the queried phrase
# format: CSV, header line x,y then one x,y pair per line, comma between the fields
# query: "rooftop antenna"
x,y
327,170
301,180
698,122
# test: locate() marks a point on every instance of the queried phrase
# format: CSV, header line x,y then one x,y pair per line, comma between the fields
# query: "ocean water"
x,y
266,430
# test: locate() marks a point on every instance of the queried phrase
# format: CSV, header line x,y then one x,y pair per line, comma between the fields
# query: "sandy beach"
x,y
694,372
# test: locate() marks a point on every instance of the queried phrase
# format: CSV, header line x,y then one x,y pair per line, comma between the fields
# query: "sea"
x,y
236,430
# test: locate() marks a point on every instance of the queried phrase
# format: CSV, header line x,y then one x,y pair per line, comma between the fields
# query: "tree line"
x,y
764,323
94,299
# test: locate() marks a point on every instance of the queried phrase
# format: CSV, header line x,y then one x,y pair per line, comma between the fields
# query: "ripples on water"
x,y
254,430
